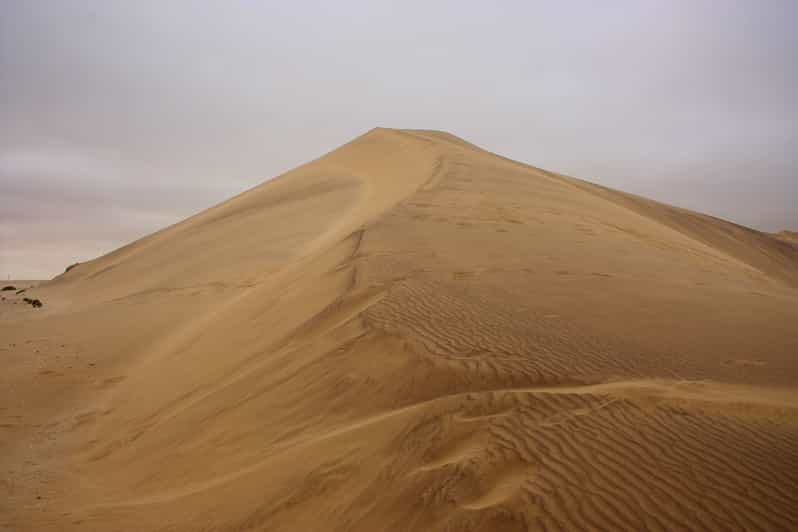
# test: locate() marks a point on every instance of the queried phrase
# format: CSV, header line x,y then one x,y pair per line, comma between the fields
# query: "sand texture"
x,y
410,333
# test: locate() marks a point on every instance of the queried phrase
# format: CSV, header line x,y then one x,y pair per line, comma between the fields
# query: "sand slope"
x,y
411,333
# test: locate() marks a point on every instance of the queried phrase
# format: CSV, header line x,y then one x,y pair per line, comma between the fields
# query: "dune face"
x,y
411,333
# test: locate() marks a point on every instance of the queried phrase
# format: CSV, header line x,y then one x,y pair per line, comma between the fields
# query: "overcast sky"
x,y
120,117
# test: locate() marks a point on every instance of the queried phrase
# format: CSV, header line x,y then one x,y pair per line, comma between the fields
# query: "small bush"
x,y
7,288
20,291
35,303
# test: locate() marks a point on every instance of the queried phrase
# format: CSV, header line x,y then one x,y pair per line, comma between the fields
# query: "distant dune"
x,y
788,235
411,333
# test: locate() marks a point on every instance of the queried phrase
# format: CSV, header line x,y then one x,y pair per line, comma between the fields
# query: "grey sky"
x,y
119,117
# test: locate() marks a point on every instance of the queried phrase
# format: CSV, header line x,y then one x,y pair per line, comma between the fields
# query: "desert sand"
x,y
411,333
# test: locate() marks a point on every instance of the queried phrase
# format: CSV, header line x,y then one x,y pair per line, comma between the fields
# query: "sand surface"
x,y
410,333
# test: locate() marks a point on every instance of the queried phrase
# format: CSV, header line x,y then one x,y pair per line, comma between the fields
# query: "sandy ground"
x,y
411,333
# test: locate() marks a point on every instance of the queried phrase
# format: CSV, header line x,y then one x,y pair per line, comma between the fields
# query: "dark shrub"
x,y
9,287
35,303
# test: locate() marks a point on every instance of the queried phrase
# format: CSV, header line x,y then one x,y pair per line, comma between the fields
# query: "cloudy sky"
x,y
120,117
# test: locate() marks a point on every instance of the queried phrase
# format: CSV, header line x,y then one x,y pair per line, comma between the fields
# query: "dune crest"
x,y
411,333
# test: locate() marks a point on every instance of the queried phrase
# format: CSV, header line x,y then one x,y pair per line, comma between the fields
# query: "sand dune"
x,y
411,333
